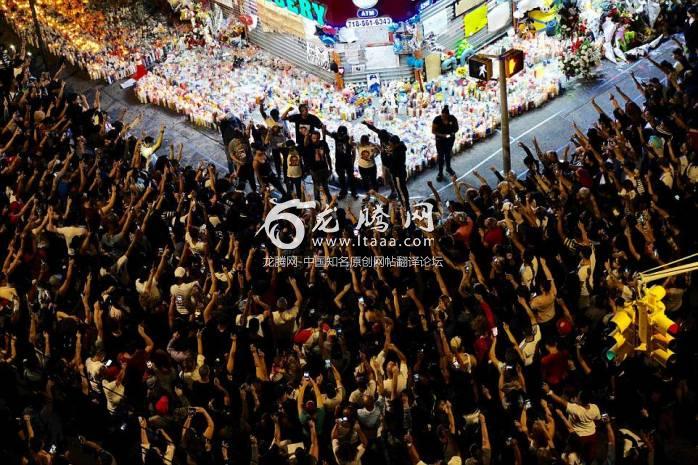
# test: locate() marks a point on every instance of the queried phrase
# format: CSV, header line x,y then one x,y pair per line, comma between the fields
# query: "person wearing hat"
x,y
181,292
444,127
113,387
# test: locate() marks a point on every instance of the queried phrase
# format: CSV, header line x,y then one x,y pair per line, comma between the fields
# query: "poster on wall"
x,y
317,55
436,24
498,17
275,19
461,6
381,57
432,65
475,20
373,82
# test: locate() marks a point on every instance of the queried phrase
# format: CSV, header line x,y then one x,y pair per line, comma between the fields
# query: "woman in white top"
x,y
294,172
367,162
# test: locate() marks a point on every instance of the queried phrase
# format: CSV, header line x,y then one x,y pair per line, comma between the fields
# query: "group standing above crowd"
x,y
140,320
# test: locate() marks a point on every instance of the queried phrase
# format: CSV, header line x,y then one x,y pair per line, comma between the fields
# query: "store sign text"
x,y
370,22
369,13
313,11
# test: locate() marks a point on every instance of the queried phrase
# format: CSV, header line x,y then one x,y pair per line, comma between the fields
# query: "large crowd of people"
x,y
141,320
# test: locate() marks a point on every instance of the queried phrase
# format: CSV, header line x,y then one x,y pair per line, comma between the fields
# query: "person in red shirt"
x,y
554,364
493,235
464,229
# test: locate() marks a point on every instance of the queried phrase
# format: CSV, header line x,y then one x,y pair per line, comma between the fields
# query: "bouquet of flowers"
x,y
583,59
569,19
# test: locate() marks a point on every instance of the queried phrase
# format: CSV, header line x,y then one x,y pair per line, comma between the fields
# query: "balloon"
x,y
329,30
328,40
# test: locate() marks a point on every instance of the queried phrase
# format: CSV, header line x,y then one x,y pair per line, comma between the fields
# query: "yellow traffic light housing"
x,y
617,342
642,326
621,334
663,324
665,358
622,319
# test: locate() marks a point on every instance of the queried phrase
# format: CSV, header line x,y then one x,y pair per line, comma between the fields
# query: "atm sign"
x,y
367,13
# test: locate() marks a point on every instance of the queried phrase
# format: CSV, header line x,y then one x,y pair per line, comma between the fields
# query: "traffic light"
x,y
615,346
661,330
620,333
513,61
480,67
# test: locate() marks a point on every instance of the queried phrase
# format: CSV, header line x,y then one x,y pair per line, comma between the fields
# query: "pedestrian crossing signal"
x,y
480,67
513,61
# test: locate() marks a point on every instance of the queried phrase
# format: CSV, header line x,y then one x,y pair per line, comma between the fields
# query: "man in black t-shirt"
x,y
444,128
398,168
344,155
303,119
317,159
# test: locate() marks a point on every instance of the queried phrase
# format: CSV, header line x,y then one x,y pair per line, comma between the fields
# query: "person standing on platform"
x,y
304,122
384,139
398,168
444,128
344,157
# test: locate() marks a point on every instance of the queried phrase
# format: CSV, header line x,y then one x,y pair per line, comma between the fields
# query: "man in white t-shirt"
x,y
529,343
94,366
113,388
182,292
582,416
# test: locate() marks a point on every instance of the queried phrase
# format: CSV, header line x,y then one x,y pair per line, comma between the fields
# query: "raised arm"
x,y
230,364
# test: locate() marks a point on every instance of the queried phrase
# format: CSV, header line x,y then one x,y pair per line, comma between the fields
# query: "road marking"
x,y
554,115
